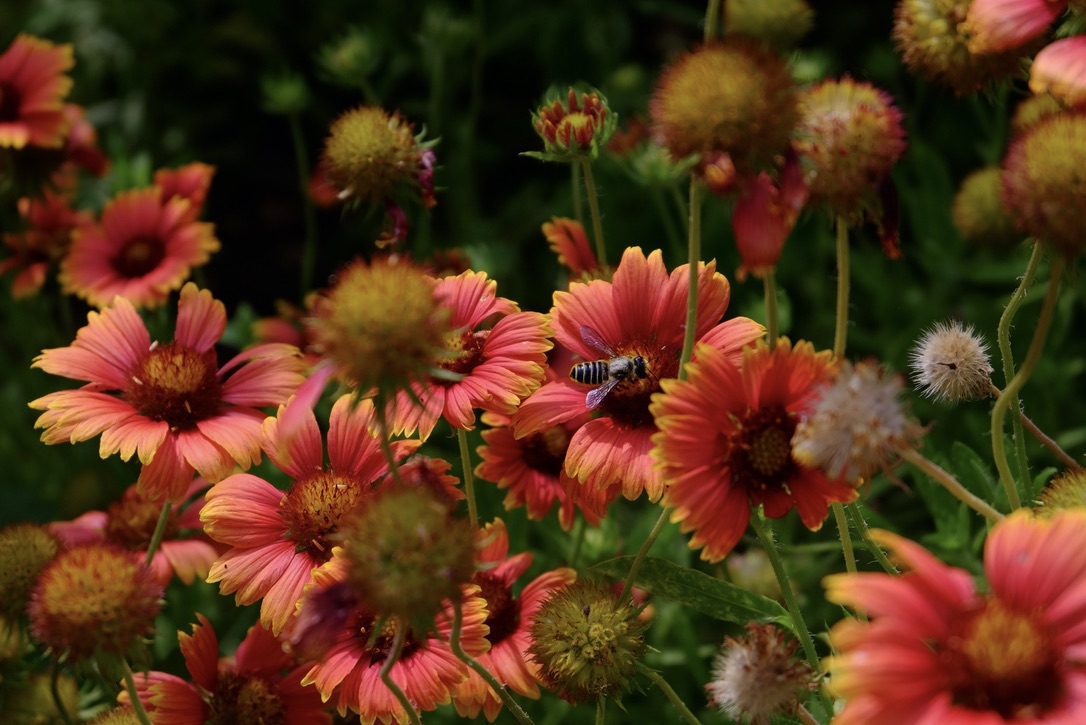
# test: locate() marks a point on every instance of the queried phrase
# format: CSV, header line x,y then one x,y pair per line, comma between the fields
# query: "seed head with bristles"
x,y
950,362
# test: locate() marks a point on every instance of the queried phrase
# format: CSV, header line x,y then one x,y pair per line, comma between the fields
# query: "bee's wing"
x,y
596,395
593,340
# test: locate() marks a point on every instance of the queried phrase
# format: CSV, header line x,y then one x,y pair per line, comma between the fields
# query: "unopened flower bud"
x,y
573,126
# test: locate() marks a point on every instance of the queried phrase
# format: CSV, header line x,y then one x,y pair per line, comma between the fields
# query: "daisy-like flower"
x,y
640,314
277,538
169,403
497,350
143,249
191,182
509,618
725,443
33,86
337,629
50,222
129,524
260,683
937,649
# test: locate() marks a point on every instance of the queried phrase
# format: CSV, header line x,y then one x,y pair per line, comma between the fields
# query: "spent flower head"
x,y
25,549
858,424
1043,185
587,641
978,211
574,125
950,362
407,554
94,600
758,676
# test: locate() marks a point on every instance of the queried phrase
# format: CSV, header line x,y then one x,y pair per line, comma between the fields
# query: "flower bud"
x,y
574,127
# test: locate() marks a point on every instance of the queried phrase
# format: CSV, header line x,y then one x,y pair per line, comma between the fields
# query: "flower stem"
x,y
765,535
579,529
860,524
309,248
805,716
846,537
469,478
454,643
999,410
840,332
382,439
575,186
54,681
130,685
594,210
639,559
160,531
386,676
1044,439
659,681
689,332
712,18
1003,339
951,484
601,710
772,324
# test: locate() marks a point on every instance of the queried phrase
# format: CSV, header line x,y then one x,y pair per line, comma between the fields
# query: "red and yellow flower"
x,y
936,648
277,538
33,86
641,313
725,443
169,403
260,683
50,222
144,248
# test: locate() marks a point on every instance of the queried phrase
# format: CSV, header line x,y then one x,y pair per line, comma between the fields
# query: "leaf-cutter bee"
x,y
605,373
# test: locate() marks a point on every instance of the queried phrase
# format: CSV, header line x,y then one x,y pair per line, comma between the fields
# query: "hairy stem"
x,y
454,643
772,324
840,332
947,481
160,531
386,673
659,681
594,210
130,685
469,478
1043,438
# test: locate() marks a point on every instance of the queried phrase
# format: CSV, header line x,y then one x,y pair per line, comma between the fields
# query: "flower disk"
x,y
848,137
733,97
25,549
94,599
381,324
1043,184
586,642
369,153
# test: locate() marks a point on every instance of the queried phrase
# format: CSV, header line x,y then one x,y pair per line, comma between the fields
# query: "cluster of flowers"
x,y
375,593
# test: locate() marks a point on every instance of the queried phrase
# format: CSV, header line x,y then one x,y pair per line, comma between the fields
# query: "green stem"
x,y
860,524
309,249
160,530
130,685
1042,437
575,186
386,673
674,236
999,410
772,325
54,682
840,332
689,332
712,18
601,710
846,537
765,535
386,446
469,478
951,484
639,558
579,529
658,680
1003,339
594,209
454,643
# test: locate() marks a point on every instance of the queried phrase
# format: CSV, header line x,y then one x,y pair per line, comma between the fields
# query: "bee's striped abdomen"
x,y
590,373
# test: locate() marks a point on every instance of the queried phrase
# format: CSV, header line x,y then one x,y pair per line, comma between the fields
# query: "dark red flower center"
x,y
131,522
760,450
380,643
315,507
628,402
503,608
240,698
10,102
546,451
139,256
465,352
175,384
1005,661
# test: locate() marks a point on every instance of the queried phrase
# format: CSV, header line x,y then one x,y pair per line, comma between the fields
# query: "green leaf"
x,y
698,591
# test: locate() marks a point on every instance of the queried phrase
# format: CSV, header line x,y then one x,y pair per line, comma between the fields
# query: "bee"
x,y
605,373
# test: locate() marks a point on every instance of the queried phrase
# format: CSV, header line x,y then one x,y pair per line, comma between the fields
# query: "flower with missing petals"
x,y
950,362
